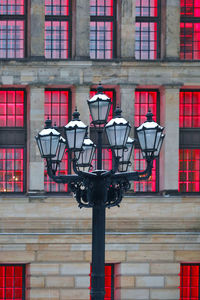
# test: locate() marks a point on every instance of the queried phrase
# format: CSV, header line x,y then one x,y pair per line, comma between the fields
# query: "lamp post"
x,y
99,188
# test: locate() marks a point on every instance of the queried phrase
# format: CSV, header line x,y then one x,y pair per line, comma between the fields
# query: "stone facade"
x,y
148,236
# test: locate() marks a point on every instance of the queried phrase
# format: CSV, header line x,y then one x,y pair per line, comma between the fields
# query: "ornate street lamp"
x,y
99,106
48,141
150,136
75,132
100,188
85,156
125,155
117,131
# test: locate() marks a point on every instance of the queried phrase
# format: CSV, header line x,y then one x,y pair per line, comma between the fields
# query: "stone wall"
x,y
148,236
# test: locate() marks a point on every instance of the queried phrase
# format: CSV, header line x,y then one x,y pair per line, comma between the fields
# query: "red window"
x,y
145,100
102,29
106,154
57,29
147,35
109,281
12,144
57,108
12,282
190,30
11,108
190,282
190,109
189,170
189,153
12,29
11,170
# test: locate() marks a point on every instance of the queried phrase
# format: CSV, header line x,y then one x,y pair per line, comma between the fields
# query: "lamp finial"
x,y
100,89
76,114
149,116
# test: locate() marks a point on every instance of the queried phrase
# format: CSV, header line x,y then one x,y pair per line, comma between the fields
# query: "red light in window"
x,y
50,185
11,170
190,8
140,165
189,109
189,170
144,100
189,282
56,107
11,282
11,108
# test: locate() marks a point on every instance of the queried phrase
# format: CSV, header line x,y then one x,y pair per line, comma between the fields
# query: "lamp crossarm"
x,y
135,176
81,174
61,178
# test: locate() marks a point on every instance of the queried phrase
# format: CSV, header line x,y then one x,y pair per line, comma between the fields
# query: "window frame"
x,y
185,134
20,145
149,19
60,18
113,20
184,20
157,168
18,18
60,129
23,275
181,277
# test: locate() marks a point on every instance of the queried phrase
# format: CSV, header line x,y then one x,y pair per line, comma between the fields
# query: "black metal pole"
x,y
98,231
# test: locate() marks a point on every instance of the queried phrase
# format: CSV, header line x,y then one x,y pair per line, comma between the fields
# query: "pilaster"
x,y
82,29
128,29
173,29
169,157
37,22
36,164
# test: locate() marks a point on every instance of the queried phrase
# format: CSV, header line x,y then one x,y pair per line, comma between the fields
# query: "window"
x,y
145,100
147,30
58,109
58,29
189,153
12,141
190,30
12,282
106,154
190,281
109,281
102,29
12,29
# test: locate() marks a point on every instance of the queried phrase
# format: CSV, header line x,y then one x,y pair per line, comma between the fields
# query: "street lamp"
x,y
100,188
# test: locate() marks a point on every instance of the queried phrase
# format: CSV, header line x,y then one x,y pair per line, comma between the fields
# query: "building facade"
x,y
146,54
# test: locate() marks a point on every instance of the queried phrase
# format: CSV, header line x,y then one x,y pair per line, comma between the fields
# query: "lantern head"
x,y
48,141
